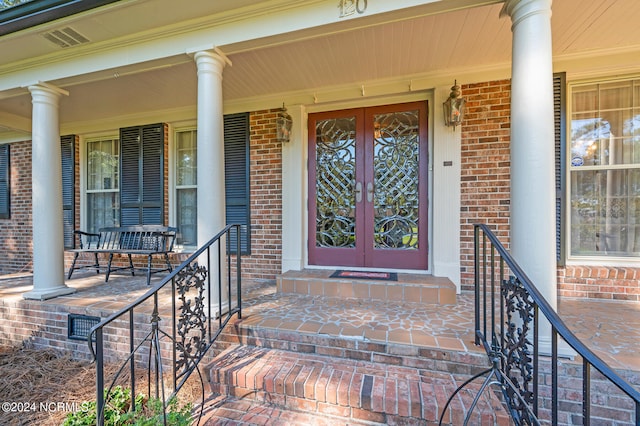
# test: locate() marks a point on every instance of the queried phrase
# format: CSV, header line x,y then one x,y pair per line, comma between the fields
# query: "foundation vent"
x,y
65,37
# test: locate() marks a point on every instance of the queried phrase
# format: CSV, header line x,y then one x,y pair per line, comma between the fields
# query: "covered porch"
x,y
610,328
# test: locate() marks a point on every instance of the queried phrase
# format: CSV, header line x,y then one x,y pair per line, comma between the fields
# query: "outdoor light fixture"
x,y
454,107
283,125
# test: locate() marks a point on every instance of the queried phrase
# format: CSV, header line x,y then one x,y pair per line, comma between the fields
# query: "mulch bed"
x,y
34,381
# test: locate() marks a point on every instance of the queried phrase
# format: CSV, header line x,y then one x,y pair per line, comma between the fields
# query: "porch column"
x,y
533,225
210,144
48,239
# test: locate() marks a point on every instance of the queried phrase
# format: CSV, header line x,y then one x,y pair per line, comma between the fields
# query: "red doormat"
x,y
365,275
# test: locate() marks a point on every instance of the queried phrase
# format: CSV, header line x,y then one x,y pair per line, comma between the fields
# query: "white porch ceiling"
x,y
473,38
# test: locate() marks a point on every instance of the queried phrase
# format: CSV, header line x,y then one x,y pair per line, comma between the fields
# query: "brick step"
x,y
342,344
418,288
228,410
348,390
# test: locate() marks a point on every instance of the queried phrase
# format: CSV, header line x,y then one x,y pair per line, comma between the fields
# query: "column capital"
x,y
521,9
210,54
42,88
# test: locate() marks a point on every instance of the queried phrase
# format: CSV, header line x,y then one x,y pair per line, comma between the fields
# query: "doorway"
x,y
368,171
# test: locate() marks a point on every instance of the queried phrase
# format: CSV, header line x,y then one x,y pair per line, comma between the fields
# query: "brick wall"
x,y
485,192
485,167
597,282
16,232
265,260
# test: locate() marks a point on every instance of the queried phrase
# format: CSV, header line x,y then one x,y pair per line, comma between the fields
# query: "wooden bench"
x,y
142,240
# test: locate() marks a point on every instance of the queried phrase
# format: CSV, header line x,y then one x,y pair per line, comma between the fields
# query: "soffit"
x,y
469,38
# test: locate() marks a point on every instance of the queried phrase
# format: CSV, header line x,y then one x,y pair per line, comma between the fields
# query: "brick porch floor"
x,y
611,329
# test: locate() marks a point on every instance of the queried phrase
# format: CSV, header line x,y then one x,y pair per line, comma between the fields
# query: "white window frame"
x,y
84,181
589,260
173,156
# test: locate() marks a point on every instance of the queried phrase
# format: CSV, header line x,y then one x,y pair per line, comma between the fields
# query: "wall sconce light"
x,y
283,125
454,107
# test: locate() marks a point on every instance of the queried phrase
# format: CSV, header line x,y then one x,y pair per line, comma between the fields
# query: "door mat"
x,y
365,275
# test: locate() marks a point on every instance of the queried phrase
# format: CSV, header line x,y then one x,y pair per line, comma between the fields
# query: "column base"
x,y
48,293
564,350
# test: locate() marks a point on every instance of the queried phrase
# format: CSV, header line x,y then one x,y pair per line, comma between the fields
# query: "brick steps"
x,y
408,287
344,391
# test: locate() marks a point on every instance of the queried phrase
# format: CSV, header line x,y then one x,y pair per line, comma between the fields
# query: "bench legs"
x,y
75,259
150,271
106,279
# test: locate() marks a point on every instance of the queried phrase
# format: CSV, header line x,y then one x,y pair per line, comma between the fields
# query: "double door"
x,y
368,170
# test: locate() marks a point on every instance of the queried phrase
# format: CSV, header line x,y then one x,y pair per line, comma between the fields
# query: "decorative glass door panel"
x,y
396,161
368,187
336,181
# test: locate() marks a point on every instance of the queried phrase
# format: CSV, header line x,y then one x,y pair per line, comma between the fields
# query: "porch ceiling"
x,y
405,47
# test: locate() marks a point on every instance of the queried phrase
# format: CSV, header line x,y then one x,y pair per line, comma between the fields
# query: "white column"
x,y
533,224
211,187
48,238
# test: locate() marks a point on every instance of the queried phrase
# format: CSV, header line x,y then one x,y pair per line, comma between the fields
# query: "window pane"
x,y
186,216
186,158
103,202
102,165
605,198
605,215
103,210
186,192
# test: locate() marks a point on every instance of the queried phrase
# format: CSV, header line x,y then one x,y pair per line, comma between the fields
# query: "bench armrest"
x,y
87,240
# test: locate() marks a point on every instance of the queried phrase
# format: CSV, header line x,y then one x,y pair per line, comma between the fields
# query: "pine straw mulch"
x,y
49,376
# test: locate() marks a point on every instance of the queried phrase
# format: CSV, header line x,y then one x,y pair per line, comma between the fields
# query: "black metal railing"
x,y
535,380
166,332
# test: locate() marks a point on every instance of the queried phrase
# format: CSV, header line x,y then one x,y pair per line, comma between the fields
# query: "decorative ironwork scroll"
x,y
192,317
336,179
517,347
397,163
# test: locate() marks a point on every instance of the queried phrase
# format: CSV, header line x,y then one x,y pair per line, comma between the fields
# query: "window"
x,y
236,157
604,169
186,187
103,184
5,183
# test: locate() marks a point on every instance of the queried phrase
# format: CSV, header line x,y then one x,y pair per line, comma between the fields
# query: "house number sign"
x,y
351,7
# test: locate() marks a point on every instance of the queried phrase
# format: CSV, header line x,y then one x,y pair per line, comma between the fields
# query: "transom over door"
x,y
368,187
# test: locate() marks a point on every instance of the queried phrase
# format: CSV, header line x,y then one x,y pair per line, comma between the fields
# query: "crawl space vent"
x,y
79,326
65,37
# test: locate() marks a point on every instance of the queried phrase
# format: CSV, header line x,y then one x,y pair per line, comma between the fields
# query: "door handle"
x,y
358,192
370,191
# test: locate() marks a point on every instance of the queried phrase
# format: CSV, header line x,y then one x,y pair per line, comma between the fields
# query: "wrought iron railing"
x,y
508,314
166,332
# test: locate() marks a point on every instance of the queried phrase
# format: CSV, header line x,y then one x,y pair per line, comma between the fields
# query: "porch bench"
x,y
138,240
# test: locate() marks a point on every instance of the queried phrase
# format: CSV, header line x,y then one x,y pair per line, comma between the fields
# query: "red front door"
x,y
368,187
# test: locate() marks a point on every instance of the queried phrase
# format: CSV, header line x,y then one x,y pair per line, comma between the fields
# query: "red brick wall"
x,y
16,232
265,260
597,282
485,192
485,167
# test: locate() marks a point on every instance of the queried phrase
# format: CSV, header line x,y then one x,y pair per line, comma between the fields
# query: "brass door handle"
x,y
369,191
358,192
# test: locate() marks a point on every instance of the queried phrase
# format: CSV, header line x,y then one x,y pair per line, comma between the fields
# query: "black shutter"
x,y
236,167
68,148
559,103
142,175
5,182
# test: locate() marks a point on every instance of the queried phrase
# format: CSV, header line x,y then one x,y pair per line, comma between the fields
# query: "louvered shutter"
x,y
142,175
67,146
236,166
559,102
5,182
